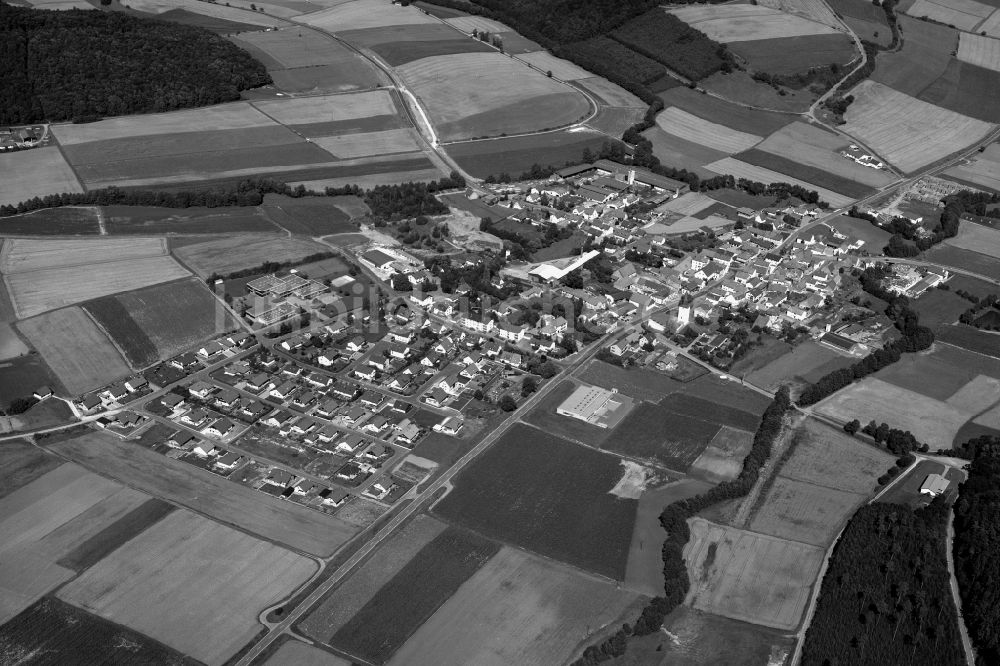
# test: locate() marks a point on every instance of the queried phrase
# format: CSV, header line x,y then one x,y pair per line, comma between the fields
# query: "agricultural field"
x,y
545,62
804,511
938,306
211,10
739,169
44,521
940,373
786,167
35,173
150,220
652,433
162,321
212,608
21,464
969,338
794,54
549,496
609,94
206,493
966,89
365,14
537,611
67,221
689,127
963,14
810,9
689,204
982,170
775,596
979,50
722,459
905,131
20,254
806,363
931,421
866,20
301,654
405,601
515,155
974,262
72,635
614,120
682,154
739,23
811,146
334,114
718,408
77,351
385,142
638,383
313,216
740,87
304,60
718,111
232,254
977,238
925,55
487,94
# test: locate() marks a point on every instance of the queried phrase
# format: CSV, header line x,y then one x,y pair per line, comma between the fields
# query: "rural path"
x,y
967,648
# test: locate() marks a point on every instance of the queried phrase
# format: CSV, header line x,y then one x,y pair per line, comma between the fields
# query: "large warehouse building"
x,y
596,405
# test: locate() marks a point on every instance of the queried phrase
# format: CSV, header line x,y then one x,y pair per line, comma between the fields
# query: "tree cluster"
x,y
667,39
83,65
885,598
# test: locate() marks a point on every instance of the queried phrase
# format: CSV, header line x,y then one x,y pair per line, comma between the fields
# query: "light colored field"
x,y
963,14
44,520
296,653
35,173
38,291
371,180
826,456
370,143
983,169
979,50
990,419
231,254
501,93
284,9
977,238
237,115
817,10
734,167
297,47
191,583
690,127
27,254
979,394
340,605
611,93
742,23
805,511
206,9
469,23
366,14
812,146
722,459
209,494
75,348
991,26
932,422
60,5
329,108
535,613
905,131
561,69
752,577
689,204
688,224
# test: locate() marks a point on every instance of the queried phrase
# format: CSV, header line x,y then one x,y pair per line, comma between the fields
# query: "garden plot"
x,y
35,173
365,14
690,127
486,94
775,595
738,23
979,50
983,169
738,169
370,143
561,69
977,238
809,145
536,614
963,14
905,131
173,583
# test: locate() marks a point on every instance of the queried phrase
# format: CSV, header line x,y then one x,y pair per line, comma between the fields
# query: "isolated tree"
x,y
852,427
507,403
528,386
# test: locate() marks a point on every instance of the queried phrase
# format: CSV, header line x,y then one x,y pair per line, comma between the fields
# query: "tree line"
x,y
975,548
83,65
674,522
885,598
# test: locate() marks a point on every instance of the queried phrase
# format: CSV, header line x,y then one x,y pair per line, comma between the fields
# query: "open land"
x,y
46,519
981,170
866,20
970,338
142,220
35,173
740,87
805,511
515,155
329,108
749,577
236,253
874,237
653,433
974,262
979,50
310,216
637,383
739,169
487,94
907,489
22,375
537,612
561,69
301,654
21,464
939,306
915,133
805,363
717,409
941,372
614,121
406,600
78,352
682,124
21,254
925,55
821,453
966,89
794,54
736,23
821,179
548,496
204,492
66,221
348,146
365,14
209,9
682,154
977,238
214,601
963,14
610,93
810,9
722,459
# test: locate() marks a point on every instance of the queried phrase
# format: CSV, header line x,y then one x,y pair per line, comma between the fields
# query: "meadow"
x,y
722,459
206,493
212,608
908,132
974,262
907,490
925,55
796,53
313,216
515,155
311,115
719,410
977,238
549,496
218,256
67,221
365,14
777,593
35,173
951,369
865,19
385,142
734,116
76,350
804,511
608,93
536,613
19,376
874,237
614,121
150,220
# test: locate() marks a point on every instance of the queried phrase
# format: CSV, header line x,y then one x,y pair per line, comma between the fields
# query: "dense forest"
x,y
669,40
977,543
885,598
82,65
